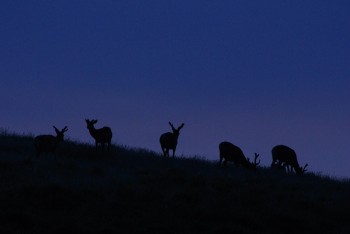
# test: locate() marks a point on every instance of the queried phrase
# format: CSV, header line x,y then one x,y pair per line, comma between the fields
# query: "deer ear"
x,y
256,163
181,126
303,169
94,121
57,131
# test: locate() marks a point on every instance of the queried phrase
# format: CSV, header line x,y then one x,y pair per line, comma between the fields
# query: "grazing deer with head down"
x,y
286,157
101,135
230,152
48,143
168,140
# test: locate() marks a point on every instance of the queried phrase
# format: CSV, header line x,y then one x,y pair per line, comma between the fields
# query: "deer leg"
x,y
108,146
37,151
163,151
284,166
287,168
273,163
280,164
290,168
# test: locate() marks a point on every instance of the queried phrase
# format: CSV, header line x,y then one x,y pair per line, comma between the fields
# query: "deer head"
x,y
90,123
176,131
60,134
256,162
303,169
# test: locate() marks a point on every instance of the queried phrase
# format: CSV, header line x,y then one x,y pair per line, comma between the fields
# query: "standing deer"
x,y
230,152
168,140
283,156
48,143
101,135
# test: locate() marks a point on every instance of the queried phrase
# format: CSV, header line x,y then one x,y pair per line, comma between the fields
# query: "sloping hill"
x,y
138,191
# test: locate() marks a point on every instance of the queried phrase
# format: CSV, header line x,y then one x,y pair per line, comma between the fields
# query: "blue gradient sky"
x,y
256,73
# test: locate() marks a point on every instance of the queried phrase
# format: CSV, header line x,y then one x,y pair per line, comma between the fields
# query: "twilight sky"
x,y
255,73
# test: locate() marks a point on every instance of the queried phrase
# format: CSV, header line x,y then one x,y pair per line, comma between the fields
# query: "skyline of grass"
x,y
132,190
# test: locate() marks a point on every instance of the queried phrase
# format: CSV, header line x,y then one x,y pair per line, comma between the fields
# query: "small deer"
x,y
230,152
48,143
168,140
283,156
101,135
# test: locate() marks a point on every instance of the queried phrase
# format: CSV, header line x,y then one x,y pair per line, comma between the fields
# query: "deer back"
x,y
46,143
102,134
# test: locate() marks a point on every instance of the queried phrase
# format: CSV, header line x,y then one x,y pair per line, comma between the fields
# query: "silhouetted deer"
x,y
101,135
284,156
168,140
48,143
230,152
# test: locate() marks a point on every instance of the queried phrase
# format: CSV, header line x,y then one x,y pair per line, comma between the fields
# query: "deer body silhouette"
x,y
48,143
283,156
101,135
168,140
230,152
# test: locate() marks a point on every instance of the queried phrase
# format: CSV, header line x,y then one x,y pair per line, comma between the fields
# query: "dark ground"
x,y
136,191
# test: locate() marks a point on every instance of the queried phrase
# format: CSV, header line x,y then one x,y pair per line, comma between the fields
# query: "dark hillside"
x,y
138,191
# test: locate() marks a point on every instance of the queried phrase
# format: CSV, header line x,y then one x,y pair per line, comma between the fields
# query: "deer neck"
x,y
93,131
58,139
176,135
247,164
297,167
298,170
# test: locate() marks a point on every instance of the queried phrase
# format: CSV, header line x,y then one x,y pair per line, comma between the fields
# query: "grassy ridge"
x,y
135,190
